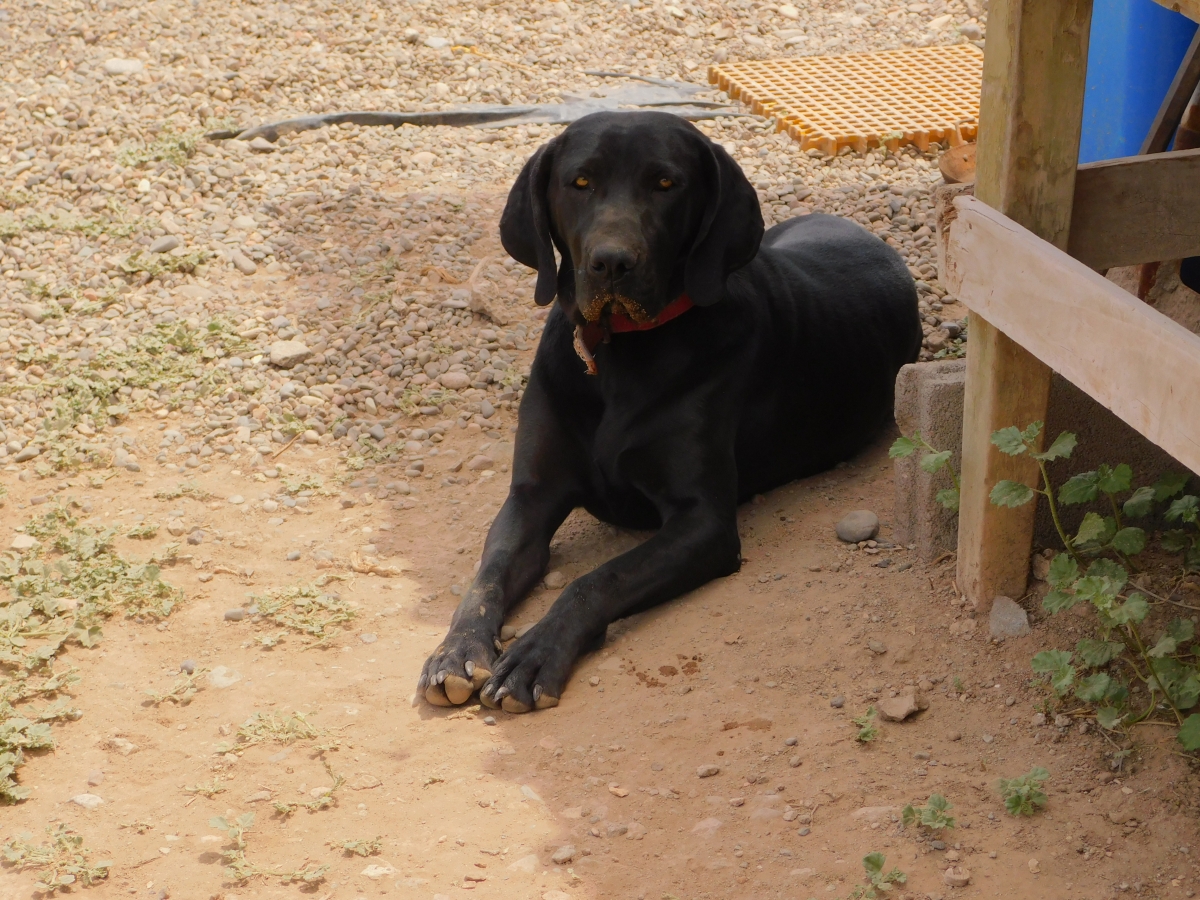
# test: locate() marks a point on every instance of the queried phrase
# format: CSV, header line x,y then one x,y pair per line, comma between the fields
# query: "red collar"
x,y
589,337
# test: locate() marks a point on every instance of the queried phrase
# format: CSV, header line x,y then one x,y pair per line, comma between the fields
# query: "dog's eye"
x,y
665,183
581,182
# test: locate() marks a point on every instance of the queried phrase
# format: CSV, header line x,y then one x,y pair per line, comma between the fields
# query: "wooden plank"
x,y
1031,112
1187,76
1190,8
1125,354
1136,209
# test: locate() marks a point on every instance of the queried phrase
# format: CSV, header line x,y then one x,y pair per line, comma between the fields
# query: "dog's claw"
x,y
470,667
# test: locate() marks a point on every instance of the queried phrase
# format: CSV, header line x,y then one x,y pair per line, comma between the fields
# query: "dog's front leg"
x,y
697,543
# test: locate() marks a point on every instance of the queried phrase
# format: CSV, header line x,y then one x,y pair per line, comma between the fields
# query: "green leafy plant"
x,y
209,790
306,610
240,869
1095,568
1024,795
867,729
932,461
323,800
182,691
933,815
878,881
365,847
279,729
63,862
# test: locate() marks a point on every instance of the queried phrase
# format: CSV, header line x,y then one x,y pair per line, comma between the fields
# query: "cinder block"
x,y
929,399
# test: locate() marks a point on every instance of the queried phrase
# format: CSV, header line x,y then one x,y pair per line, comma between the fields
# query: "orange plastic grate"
x,y
862,100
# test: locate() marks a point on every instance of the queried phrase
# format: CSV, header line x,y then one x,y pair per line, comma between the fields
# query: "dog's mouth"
x,y
603,306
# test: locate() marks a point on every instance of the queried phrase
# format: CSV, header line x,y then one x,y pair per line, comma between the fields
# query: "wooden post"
x,y
1030,118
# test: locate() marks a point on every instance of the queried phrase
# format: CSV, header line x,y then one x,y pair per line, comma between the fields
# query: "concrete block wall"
x,y
929,398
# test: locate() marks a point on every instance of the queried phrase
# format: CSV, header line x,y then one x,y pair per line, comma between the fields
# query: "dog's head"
x,y
641,206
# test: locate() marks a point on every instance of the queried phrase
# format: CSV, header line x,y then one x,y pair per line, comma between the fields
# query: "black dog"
x,y
722,369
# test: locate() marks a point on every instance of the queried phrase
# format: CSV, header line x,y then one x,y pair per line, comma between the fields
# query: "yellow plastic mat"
x,y
862,100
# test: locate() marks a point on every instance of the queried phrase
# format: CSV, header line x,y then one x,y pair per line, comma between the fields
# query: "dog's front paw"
x,y
531,673
457,668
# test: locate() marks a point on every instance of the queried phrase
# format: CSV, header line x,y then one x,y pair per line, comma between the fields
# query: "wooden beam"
x,y
1190,8
1136,209
1187,76
1116,349
1031,113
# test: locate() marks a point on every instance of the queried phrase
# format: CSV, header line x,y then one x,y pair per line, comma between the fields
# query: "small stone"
x,y
188,667
433,42
376,871
196,537
837,702
237,499
87,801
971,31
791,742
564,855
486,409
957,876
175,527
554,580
616,829
1034,866
243,263
33,311
489,720
938,845
368,638
23,542
235,615
27,454
262,145
737,801
708,771
1038,720
795,762
455,381
123,66
1007,619
954,736
636,832
165,244
377,431
95,778
877,647
223,677
293,555
480,462
270,506
860,525
804,832
286,354
899,708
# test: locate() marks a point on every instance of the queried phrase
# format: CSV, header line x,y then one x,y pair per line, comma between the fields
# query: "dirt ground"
x,y
758,675
726,676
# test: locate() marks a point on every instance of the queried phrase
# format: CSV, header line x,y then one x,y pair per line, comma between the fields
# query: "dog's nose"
x,y
612,260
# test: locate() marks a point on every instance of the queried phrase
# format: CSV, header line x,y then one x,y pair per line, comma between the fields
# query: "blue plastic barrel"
x,y
1136,48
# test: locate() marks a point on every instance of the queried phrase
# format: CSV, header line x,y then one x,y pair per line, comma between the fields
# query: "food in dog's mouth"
x,y
606,305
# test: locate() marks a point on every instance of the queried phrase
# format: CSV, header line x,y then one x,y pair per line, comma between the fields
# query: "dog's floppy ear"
x,y
525,223
729,232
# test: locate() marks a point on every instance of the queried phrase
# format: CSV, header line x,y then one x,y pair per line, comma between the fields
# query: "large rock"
x,y
860,525
1007,619
286,354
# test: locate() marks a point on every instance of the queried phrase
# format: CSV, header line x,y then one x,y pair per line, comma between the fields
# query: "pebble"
x,y
860,525
123,66
95,778
22,542
293,555
235,615
489,720
900,707
368,638
791,742
196,537
564,855
165,244
87,801
28,453
957,876
223,677
237,499
795,762
804,832
270,506
243,263
288,354
1007,619
188,667
554,580
708,771
837,702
